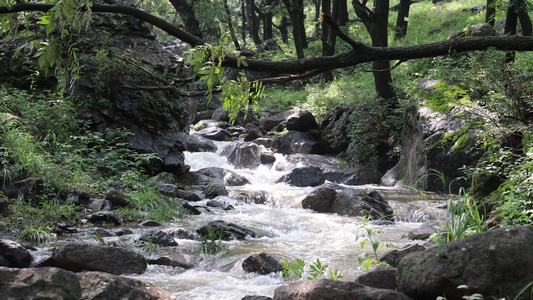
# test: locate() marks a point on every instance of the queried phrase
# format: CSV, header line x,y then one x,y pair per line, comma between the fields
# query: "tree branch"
x,y
118,9
338,32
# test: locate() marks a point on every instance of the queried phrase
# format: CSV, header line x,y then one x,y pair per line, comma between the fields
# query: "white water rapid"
x,y
285,231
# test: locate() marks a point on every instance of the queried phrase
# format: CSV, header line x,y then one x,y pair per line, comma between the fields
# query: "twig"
x,y
388,69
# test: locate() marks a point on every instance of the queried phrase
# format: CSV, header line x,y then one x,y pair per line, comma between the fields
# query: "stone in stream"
x,y
302,177
56,283
103,217
326,289
229,231
160,238
115,260
243,155
262,263
497,263
14,255
379,278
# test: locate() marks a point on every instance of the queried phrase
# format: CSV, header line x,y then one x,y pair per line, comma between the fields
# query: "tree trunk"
x,y
343,12
402,21
283,29
187,15
253,21
379,34
267,21
517,11
490,13
299,39
243,19
230,25
326,9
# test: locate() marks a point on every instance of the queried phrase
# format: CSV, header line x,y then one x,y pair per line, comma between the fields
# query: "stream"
x,y
284,230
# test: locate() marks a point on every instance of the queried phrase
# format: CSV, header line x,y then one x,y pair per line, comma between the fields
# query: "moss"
x,y
446,96
399,175
462,141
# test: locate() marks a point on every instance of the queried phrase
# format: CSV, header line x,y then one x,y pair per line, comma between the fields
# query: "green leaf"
x,y
367,264
45,20
375,246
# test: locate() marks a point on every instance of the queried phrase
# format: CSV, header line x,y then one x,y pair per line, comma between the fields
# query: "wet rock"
x,y
326,289
150,223
123,231
320,200
100,232
394,257
175,191
214,190
14,255
191,209
196,143
166,261
56,283
116,197
104,217
262,263
354,176
160,238
229,231
267,158
115,260
100,204
260,197
379,278
298,142
253,134
183,234
213,203
301,120
423,232
302,177
243,155
359,203
214,175
253,297
333,139
495,262
215,133
298,160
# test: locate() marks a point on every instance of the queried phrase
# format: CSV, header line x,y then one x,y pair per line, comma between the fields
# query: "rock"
x,y
103,217
160,238
123,231
115,260
27,188
298,142
215,175
424,231
14,255
320,200
357,203
307,176
253,297
354,176
150,223
394,257
379,278
213,190
229,231
166,261
116,197
253,134
213,203
326,289
260,197
493,263
243,155
262,263
56,283
183,234
197,143
175,191
299,160
301,120
4,207
270,122
483,29
333,139
98,204
100,232
191,209
215,133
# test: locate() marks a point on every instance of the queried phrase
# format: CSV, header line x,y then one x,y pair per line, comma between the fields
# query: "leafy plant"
x,y
293,271
317,270
212,243
366,259
34,235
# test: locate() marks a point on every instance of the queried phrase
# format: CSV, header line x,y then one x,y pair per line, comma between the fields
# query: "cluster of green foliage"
x,y
211,244
292,271
366,259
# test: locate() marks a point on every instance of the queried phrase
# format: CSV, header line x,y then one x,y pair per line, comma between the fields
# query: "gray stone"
x,y
103,217
116,197
243,155
379,278
301,120
320,200
493,263
213,190
262,263
14,255
298,142
229,231
115,260
325,289
307,176
159,237
394,257
357,203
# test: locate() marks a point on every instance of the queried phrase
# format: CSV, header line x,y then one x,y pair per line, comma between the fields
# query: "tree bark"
x,y
299,39
490,13
402,21
253,21
379,35
230,26
187,15
267,21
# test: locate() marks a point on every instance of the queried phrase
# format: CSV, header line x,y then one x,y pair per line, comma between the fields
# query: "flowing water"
x,y
284,230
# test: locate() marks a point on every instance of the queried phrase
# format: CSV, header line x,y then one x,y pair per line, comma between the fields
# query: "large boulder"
x,y
56,283
301,120
298,142
307,176
262,263
380,278
271,122
348,202
14,255
159,237
203,177
493,263
354,176
325,289
243,155
115,260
